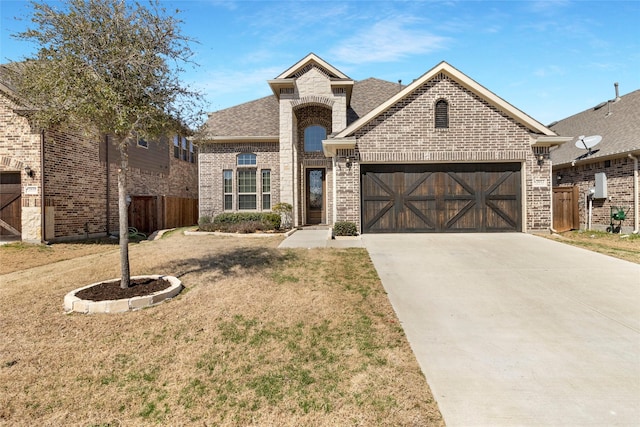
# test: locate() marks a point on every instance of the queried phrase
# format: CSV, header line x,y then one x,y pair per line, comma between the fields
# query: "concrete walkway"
x,y
317,237
513,329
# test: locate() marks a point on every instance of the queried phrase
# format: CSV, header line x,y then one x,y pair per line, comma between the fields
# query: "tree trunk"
x,y
123,214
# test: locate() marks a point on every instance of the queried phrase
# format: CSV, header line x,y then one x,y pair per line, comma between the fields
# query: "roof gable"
x,y
309,61
464,81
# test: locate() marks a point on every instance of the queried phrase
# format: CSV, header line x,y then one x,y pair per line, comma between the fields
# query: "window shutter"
x,y
442,114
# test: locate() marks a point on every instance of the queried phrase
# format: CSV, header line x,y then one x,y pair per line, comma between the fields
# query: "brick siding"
x,y
477,133
619,175
75,179
214,158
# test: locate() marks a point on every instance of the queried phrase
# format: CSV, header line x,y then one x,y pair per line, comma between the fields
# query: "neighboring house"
x,y
605,181
442,154
61,184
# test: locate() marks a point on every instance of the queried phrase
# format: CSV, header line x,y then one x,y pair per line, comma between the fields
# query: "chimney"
x,y
617,93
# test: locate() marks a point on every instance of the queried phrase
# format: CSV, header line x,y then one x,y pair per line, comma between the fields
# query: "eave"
x,y
549,140
330,147
237,139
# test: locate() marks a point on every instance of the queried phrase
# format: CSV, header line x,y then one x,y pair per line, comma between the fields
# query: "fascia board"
x,y
237,139
309,58
331,146
549,140
276,85
464,81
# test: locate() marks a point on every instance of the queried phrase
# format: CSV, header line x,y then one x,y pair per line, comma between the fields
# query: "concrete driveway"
x,y
513,329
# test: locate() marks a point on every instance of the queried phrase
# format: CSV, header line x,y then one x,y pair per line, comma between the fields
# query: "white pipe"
x,y
586,198
590,210
636,214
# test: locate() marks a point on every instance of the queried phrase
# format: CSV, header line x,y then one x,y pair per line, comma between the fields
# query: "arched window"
x,y
313,136
442,114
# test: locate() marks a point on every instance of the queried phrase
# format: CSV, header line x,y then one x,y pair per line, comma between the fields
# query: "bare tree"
x,y
113,65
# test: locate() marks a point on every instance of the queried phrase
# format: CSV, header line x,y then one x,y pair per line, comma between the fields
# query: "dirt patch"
x,y
621,246
112,291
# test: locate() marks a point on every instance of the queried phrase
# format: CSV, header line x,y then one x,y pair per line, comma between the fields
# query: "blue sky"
x,y
551,59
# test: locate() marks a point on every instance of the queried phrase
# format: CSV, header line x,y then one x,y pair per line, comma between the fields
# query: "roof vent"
x,y
599,106
615,85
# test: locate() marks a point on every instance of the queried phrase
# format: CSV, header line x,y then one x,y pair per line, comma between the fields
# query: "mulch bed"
x,y
112,290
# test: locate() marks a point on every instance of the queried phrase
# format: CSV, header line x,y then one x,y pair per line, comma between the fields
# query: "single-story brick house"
x,y
61,184
442,154
605,180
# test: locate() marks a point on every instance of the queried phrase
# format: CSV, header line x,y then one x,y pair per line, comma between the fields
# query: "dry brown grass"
x,y
260,336
626,247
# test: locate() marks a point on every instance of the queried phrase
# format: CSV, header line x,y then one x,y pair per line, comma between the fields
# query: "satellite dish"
x,y
588,142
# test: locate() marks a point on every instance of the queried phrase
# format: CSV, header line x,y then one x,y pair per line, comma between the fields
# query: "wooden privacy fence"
x,y
566,215
151,213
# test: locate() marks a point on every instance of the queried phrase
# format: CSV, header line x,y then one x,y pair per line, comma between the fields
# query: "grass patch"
x,y
623,246
263,337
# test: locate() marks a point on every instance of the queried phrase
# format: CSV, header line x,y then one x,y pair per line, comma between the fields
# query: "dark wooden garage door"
x,y
441,198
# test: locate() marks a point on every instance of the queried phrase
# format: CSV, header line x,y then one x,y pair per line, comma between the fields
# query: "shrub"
x,y
204,220
345,228
243,222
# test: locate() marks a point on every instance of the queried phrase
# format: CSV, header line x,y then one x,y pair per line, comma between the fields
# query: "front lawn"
x,y
260,336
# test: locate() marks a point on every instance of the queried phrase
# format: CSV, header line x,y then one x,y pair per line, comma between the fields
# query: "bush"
x,y
284,210
244,222
345,228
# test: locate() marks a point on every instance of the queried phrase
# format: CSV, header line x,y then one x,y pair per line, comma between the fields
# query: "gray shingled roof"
x,y
261,117
620,130
253,118
368,94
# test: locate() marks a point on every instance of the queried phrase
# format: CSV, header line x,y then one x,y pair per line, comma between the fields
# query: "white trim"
x,y
312,57
463,80
236,139
331,146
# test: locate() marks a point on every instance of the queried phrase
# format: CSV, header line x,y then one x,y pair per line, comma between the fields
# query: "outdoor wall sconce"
x,y
540,159
348,162
559,177
30,173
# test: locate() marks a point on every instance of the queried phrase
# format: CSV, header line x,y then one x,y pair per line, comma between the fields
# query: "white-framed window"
x,y
227,179
266,189
313,136
192,152
185,152
247,159
176,146
247,189
142,143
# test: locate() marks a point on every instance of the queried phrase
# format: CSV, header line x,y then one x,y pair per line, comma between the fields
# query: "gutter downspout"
x,y
636,214
43,207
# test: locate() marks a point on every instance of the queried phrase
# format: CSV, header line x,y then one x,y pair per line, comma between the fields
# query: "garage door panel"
x,y
441,198
418,215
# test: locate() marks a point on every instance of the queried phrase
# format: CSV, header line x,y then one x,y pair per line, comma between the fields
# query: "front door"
x,y
315,188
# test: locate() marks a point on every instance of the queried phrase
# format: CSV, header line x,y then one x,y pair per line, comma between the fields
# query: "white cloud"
x,y
388,40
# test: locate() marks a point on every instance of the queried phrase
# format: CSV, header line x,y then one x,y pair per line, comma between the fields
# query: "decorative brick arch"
x,y
312,100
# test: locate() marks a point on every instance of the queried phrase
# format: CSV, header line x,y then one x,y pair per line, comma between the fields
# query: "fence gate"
x,y
10,204
143,213
565,208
